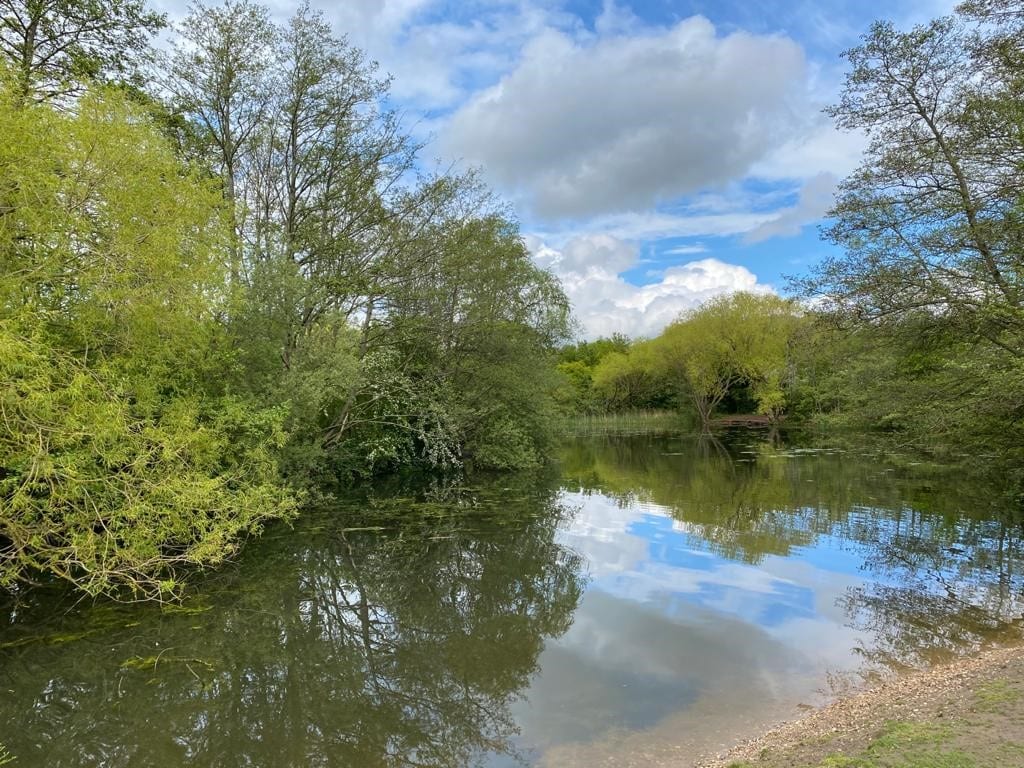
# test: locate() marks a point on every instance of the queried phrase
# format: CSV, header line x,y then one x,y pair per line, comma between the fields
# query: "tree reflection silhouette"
x,y
941,550
326,647
938,591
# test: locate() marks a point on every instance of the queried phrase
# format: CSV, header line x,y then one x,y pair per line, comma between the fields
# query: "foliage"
x,y
578,363
403,323
57,47
923,309
739,339
633,380
119,458
233,285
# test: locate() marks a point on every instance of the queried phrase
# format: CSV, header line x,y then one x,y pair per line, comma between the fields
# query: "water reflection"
x,y
662,597
328,647
919,561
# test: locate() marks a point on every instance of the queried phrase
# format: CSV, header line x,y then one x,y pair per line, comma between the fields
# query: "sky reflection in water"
x,y
660,597
742,601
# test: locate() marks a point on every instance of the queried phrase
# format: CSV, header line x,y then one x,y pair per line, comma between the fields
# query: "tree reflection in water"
x,y
941,549
938,590
408,645
325,646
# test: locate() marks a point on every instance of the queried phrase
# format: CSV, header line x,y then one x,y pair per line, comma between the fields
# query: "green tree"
x,y
399,318
578,364
743,338
930,222
927,291
57,47
219,75
632,379
121,458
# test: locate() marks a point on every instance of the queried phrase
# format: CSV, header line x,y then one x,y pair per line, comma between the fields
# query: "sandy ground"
x,y
973,706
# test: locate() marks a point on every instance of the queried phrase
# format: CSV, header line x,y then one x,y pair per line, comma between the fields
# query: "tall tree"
x,y
220,75
56,47
931,221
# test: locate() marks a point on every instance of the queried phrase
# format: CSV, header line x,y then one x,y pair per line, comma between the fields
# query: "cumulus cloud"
x,y
583,126
815,200
589,267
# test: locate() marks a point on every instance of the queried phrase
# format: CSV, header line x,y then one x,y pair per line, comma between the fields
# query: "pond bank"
x,y
965,714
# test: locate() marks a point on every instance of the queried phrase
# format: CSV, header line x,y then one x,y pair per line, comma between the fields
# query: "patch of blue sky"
x,y
774,260
834,554
669,546
681,549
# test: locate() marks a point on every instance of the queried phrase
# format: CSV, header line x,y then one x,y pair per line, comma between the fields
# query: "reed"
x,y
641,422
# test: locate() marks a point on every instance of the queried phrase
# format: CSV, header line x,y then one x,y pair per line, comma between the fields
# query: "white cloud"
x,y
437,56
589,267
686,250
816,197
588,126
656,225
816,148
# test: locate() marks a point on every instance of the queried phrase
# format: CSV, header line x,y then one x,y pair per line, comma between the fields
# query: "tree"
x,y
219,75
736,339
57,47
632,379
931,221
122,459
928,286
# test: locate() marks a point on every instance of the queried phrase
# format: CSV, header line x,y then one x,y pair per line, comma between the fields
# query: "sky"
x,y
657,152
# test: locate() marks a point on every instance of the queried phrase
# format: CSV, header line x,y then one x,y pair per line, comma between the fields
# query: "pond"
x,y
653,598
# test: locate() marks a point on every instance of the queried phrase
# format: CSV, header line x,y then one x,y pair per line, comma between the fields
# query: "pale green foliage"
x,y
119,458
181,342
632,379
107,495
743,338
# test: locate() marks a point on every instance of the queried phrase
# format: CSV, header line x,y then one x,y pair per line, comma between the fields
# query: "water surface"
x,y
657,597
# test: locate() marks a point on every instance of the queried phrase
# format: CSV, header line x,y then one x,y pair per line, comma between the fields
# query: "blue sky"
x,y
657,153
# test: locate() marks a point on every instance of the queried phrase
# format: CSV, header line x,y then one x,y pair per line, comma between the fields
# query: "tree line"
x,y
916,325
225,282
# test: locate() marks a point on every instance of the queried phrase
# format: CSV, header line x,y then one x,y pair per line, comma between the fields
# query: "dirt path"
x,y
968,714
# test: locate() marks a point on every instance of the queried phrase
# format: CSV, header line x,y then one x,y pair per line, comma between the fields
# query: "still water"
x,y
654,598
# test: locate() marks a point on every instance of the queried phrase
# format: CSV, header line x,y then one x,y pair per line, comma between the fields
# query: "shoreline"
x,y
949,693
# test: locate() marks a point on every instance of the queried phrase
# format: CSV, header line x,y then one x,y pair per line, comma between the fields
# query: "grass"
x,y
995,696
902,745
974,721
